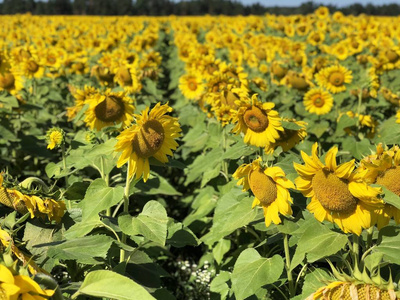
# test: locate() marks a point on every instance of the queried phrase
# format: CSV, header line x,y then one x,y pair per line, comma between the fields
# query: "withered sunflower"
x,y
270,188
153,135
337,194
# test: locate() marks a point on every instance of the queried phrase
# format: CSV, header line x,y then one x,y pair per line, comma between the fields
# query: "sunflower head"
x,y
318,101
109,108
153,135
337,194
55,137
269,186
334,78
259,123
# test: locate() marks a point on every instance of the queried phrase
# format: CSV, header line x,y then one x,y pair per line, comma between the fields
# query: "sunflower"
x,y
333,78
11,82
337,194
383,168
8,288
128,79
32,68
192,86
270,188
108,109
55,137
81,97
289,137
338,290
259,123
153,135
317,101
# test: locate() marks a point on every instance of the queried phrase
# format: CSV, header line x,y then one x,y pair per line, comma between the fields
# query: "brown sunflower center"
x,y
33,67
390,180
7,81
263,187
333,192
316,38
125,76
318,100
79,66
110,110
255,119
192,84
392,56
298,82
149,139
336,78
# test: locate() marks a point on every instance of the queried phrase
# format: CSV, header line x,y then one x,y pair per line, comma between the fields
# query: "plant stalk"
x,y
292,290
126,209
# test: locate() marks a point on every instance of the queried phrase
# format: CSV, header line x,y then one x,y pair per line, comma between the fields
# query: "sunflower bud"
x,y
55,137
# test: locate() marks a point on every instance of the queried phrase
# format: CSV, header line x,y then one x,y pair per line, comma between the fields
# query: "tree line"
x,y
170,7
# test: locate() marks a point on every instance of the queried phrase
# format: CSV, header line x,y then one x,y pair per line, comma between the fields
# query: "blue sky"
x,y
334,2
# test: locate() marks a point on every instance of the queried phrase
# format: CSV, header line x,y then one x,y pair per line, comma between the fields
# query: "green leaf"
x,y
252,271
344,122
389,244
357,149
222,247
180,236
316,242
319,128
390,197
219,284
99,197
388,132
233,211
81,228
150,223
237,151
108,284
291,125
155,186
203,163
83,250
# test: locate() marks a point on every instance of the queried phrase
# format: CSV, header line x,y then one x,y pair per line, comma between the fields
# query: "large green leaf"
x,y
389,244
150,223
84,249
357,149
108,284
232,212
316,242
252,271
99,197
313,281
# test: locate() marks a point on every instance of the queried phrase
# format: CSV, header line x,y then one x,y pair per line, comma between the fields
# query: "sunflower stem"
x,y
224,162
356,248
359,108
126,209
370,233
106,178
288,262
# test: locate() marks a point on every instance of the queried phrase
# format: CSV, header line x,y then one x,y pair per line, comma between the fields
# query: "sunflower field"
x,y
208,157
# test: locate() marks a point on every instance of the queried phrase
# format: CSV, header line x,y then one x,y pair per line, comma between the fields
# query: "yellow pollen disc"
x,y
336,78
33,67
392,56
110,110
104,74
192,84
125,76
7,81
149,139
333,193
390,180
263,187
255,119
317,38
361,292
317,100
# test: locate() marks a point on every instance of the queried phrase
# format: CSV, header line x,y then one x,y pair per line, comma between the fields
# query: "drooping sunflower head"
x,y
289,137
318,101
153,135
337,194
258,122
109,108
269,186
334,78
